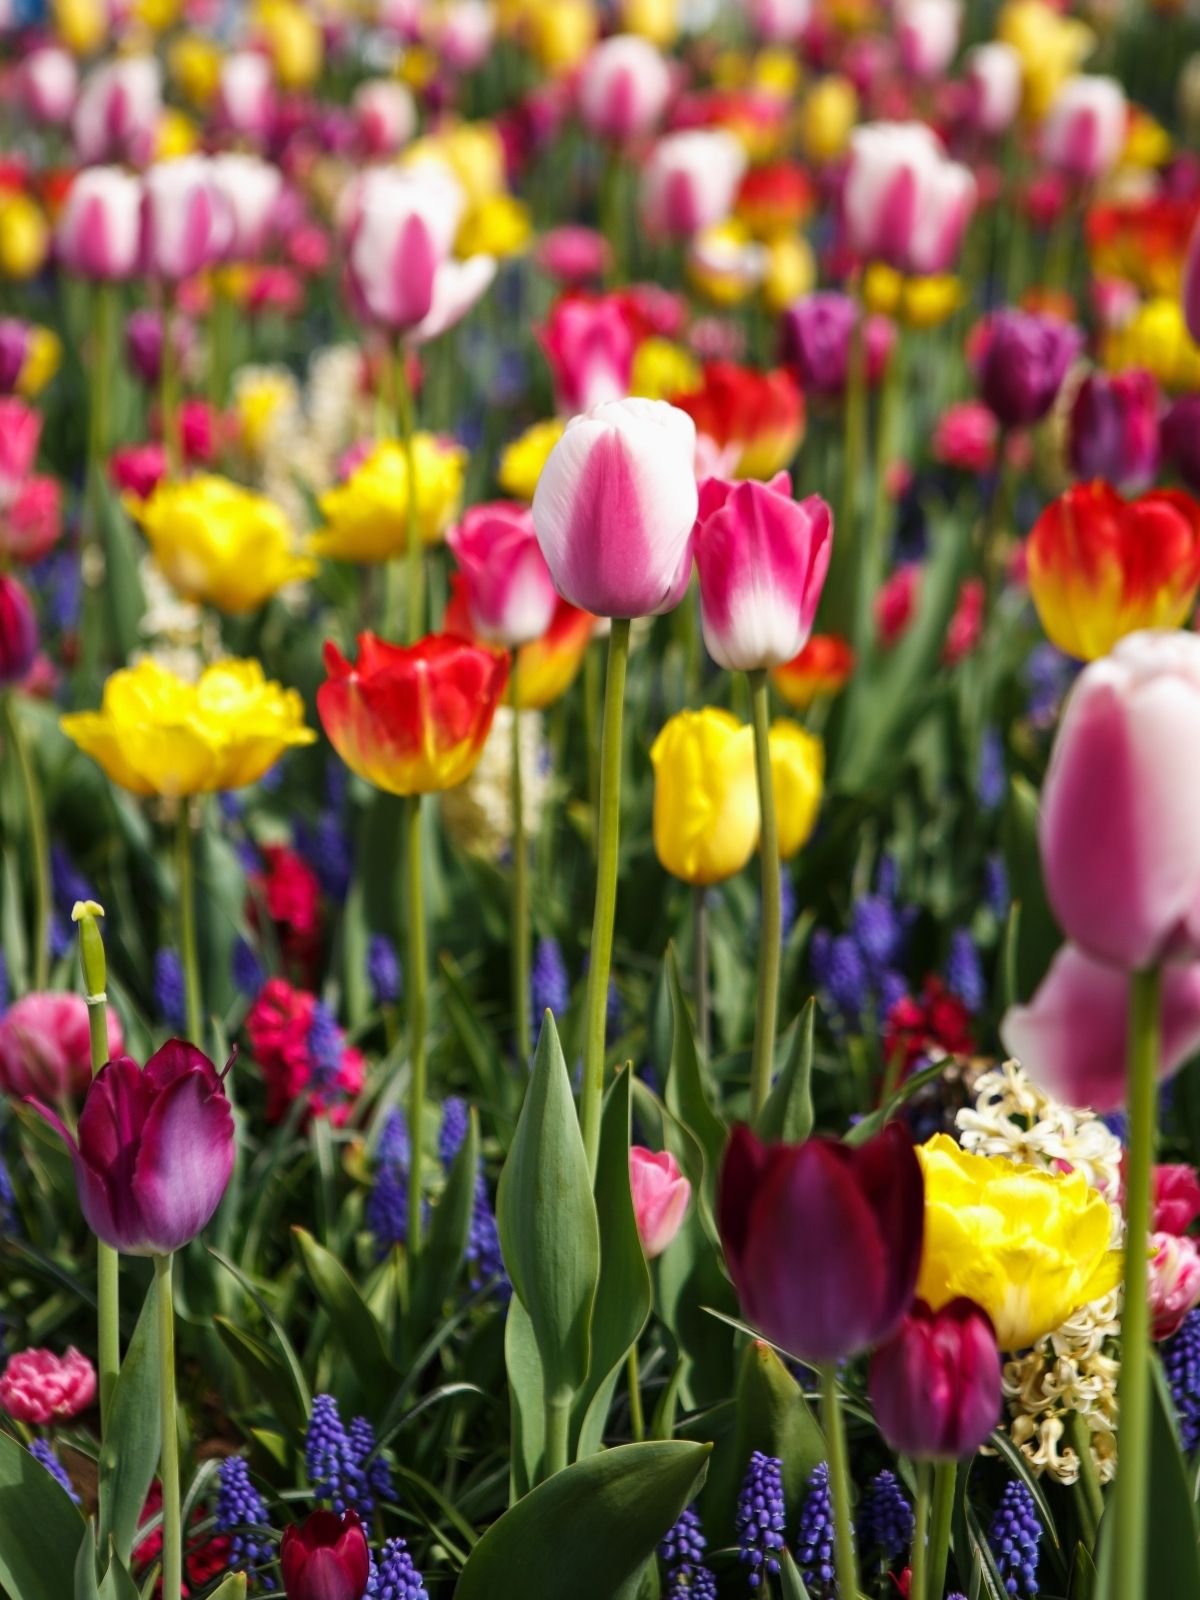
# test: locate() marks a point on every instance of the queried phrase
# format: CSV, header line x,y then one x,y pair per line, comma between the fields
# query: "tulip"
x,y
762,559
386,114
827,118
1176,1198
98,233
573,254
757,417
780,21
1191,284
935,1385
461,33
400,233
1120,850
797,773
246,92
818,671
248,191
1071,1036
1180,438
623,88
822,1239
117,113
994,79
615,505
1174,1282
183,226
40,1388
545,668
927,32
510,594
366,516
690,182
1113,428
18,632
589,344
45,1048
903,202
816,342
154,1150
49,82
1025,359
705,796
326,1559
660,1197
20,430
32,522
1084,134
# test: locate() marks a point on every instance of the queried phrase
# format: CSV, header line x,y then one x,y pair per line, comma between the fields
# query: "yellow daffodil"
x,y
1030,1247
827,116
521,462
662,369
705,798
42,360
265,401
24,236
366,517
155,733
797,776
1156,337
500,226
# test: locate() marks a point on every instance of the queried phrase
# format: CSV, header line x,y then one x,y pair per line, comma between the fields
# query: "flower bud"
x,y
1181,439
935,1385
18,632
1085,131
98,233
690,181
660,1197
706,818
623,88
117,113
904,202
45,1046
49,82
326,1558
510,594
182,226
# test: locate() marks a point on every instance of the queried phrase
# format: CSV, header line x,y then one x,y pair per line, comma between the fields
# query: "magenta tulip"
x,y
904,202
690,182
1026,356
98,233
183,221
823,1239
117,112
154,1149
20,430
762,559
935,1384
325,1559
615,506
510,594
1176,1202
1085,129
1113,429
1180,436
45,1046
815,339
660,1197
589,344
18,632
623,87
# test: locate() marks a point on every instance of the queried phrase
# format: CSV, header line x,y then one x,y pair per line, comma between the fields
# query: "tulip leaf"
x,y
589,1530
234,1588
549,1234
878,1119
791,1584
773,1416
294,1370
87,1585
449,1231
267,1373
357,1329
117,1584
122,583
788,1113
1039,935
686,1093
39,1528
133,1436
623,1295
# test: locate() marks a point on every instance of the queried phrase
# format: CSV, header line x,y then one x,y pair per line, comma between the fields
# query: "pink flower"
x,y
184,226
38,1387
45,1048
1174,1282
780,21
400,232
994,81
461,33
1176,1198
935,1385
31,525
1191,284
138,469
897,600
49,83
965,437
927,32
573,254
20,430
1113,428
279,1026
247,191
18,633
762,559
903,202
510,594
98,232
246,92
387,117
623,87
660,1197
690,181
589,343
1084,131
615,506
117,113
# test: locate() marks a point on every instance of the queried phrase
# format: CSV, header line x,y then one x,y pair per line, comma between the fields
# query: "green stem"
x,y
637,1420
1133,1394
220,333
919,1562
839,1482
700,967
520,888
839,610
187,925
39,851
558,1430
763,1061
108,1280
875,555
944,1474
607,849
172,1526
169,392
1091,1495
414,978
414,553
104,317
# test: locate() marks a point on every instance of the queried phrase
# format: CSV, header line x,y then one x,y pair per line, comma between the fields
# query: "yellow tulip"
x,y
293,37
366,518
797,776
474,153
195,64
266,401
221,544
725,264
918,302
500,226
155,733
42,360
705,798
1030,1247
24,236
560,33
663,369
656,20
827,116
1156,337
1052,48
177,135
82,25
521,462
157,15
791,272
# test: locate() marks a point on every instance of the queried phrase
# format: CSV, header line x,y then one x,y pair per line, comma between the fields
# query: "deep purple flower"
x,y
1025,359
1181,1364
395,1576
1113,428
885,1517
1015,1535
815,342
42,1450
240,1509
326,1558
964,972
1181,439
814,1536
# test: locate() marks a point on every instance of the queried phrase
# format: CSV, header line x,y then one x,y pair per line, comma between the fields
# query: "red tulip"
x,y
326,1559
935,1384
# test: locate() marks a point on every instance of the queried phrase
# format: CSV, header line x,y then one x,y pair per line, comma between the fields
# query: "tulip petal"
x,y
889,1175
184,1160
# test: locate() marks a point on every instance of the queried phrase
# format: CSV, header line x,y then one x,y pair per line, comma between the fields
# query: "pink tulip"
x,y
690,182
184,227
623,88
1176,1197
573,254
247,191
45,1049
780,21
400,232
49,83
660,1197
927,31
615,506
457,286
117,113
98,232
1174,1282
762,559
1071,1037
935,1385
903,202
1191,284
20,430
1084,132
510,594
461,33
38,1387
589,344
387,117
18,637
994,80
31,524
246,92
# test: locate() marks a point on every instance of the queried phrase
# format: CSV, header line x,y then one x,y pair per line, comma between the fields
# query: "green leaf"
x,y
267,1373
444,1250
686,1093
589,1530
358,1332
133,1437
526,1409
788,1113
117,1583
234,1588
39,1528
878,1119
791,1584
623,1296
549,1234
87,1585
1038,935
773,1416
122,581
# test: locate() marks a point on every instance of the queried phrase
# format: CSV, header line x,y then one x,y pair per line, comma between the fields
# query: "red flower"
x,y
326,1559
759,413
938,1023
290,892
546,667
822,668
280,1029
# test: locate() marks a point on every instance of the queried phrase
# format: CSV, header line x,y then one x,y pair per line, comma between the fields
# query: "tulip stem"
x,y
108,1277
39,864
558,1430
172,1529
637,1420
839,1483
1133,1394
763,1061
415,988
104,319
168,378
919,1561
187,925
700,967
520,888
944,1475
608,830
414,552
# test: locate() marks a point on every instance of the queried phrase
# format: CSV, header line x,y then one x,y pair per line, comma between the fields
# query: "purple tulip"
x,y
1191,285
816,342
823,1239
935,1384
326,1559
1113,429
14,351
18,632
1181,439
154,1151
1025,359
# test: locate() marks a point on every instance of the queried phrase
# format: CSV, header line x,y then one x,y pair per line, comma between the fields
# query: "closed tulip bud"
x,y
117,113
927,32
1176,1190
1025,358
246,92
510,595
1180,438
1174,1282
400,231
325,1559
706,819
690,182
1191,285
816,336
18,632
935,1385
797,774
1113,428
49,82
589,343
780,21
822,1239
1085,131
623,88
762,559
182,225
248,191
615,505
827,118
660,1197
994,80
903,202
45,1047
386,115
154,1150
99,228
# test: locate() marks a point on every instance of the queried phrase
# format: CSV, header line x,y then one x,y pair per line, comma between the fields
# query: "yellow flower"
x,y
157,734
1156,337
662,369
263,399
560,33
1030,1247
42,360
828,114
797,776
522,461
195,64
293,37
726,264
1148,144
418,67
82,25
918,302
705,798
500,226
777,70
177,135
656,20
791,272
157,15
24,236
474,153
366,517
1052,49
219,543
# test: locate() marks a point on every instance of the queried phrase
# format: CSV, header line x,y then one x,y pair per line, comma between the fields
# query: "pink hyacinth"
x,y
38,1387
660,1197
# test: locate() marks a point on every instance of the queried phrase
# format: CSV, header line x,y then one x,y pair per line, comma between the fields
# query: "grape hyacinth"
x,y
1014,1536
483,1245
240,1508
42,1450
885,1518
995,886
991,781
324,1046
759,1521
682,1554
383,970
549,986
380,1485
169,993
964,972
387,1204
787,905
336,1460
247,969
393,1145
1181,1364
814,1536
393,1576
455,1120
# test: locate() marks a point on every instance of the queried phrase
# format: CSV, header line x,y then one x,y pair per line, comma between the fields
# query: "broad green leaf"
x,y
87,1584
267,1373
234,1588
773,1416
40,1529
687,1095
588,1531
791,1584
117,1583
878,1119
133,1438
549,1234
357,1330
1038,933
788,1113
442,1256
525,1399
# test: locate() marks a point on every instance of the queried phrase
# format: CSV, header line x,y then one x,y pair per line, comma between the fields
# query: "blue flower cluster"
x,y
760,1518
549,985
42,1450
67,885
241,1510
885,1517
859,972
483,1242
324,1047
325,844
1181,1364
814,1536
682,1555
383,970
248,975
387,1204
170,994
394,1576
1015,1535
964,971
340,1464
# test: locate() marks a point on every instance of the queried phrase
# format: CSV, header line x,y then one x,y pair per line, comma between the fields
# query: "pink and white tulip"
x,y
99,228
49,82
400,229
690,181
184,227
615,507
461,33
1085,129
660,1197
928,32
780,21
1174,1282
623,88
589,344
904,202
994,79
762,559
386,115
510,594
247,191
246,92
117,113
1176,1197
